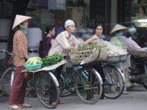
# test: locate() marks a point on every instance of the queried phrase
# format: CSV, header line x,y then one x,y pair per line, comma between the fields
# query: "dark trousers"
x,y
53,94
99,69
18,89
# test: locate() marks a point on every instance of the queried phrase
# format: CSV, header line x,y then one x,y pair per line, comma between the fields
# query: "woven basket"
x,y
80,55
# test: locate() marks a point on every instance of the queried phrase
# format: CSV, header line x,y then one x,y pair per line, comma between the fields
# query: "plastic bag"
x,y
10,61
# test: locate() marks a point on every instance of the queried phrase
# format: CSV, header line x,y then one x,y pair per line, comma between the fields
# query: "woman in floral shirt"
x,y
20,47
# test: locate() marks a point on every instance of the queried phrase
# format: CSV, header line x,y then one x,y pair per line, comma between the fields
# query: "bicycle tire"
x,y
6,80
88,85
43,84
114,82
66,82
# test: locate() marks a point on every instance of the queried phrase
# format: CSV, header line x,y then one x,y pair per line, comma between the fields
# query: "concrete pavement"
x,y
135,100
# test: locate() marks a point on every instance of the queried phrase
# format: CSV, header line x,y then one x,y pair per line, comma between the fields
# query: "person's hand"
x,y
74,48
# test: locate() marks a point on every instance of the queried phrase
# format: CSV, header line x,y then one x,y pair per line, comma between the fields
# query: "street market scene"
x,y
73,54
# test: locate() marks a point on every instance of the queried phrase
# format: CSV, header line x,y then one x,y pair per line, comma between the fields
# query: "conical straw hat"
x,y
20,19
118,27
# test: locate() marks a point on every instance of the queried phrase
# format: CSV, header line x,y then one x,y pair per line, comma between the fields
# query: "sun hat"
x,y
20,19
68,23
118,27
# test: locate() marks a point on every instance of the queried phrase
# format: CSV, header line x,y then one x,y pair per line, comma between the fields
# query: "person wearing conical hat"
x,y
118,32
119,35
20,48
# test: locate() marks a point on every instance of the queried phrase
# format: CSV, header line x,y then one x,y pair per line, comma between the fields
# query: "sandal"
x,y
14,107
24,105
60,102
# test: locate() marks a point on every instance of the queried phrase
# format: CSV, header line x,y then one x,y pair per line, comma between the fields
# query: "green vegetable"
x,y
51,60
88,47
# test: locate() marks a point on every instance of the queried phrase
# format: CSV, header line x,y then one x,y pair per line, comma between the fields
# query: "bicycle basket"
x,y
33,67
116,59
83,55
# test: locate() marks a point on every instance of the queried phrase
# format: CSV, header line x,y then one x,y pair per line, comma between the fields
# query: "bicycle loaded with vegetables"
x,y
95,39
63,42
20,48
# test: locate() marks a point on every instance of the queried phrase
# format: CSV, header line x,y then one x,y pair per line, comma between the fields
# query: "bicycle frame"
x,y
74,78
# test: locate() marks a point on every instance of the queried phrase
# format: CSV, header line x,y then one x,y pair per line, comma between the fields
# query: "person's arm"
x,y
87,41
90,40
133,46
63,41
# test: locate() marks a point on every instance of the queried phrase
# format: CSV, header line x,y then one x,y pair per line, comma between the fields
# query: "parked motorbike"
x,y
138,68
138,71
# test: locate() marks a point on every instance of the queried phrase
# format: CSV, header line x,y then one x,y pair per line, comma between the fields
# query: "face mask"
x,y
23,29
120,35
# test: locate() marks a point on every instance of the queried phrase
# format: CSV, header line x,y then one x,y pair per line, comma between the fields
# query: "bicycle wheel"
x,y
66,82
47,89
114,82
7,79
30,89
88,85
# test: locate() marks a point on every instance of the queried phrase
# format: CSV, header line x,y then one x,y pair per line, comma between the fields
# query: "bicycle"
x,y
113,86
7,76
42,81
85,80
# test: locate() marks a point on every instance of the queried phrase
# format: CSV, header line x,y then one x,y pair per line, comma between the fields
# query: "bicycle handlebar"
x,y
5,51
29,50
33,50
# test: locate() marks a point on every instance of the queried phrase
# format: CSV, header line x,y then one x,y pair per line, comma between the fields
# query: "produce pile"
x,y
114,50
82,52
51,60
87,47
33,61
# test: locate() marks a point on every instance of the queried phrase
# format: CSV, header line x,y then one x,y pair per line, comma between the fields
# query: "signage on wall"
x,y
56,4
140,22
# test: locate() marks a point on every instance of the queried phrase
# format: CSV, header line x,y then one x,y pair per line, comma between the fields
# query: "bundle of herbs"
x,y
51,60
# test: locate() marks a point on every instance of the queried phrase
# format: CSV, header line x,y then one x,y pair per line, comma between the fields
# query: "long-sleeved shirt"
x,y
129,44
20,48
132,47
96,40
63,43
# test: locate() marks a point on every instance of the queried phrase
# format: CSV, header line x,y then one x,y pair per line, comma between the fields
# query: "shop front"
x,y
85,13
139,18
